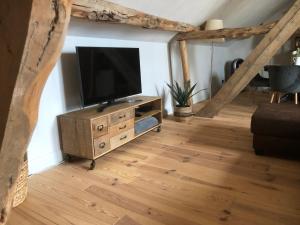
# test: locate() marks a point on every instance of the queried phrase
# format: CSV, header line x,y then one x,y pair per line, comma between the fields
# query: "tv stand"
x,y
90,133
134,100
113,102
103,106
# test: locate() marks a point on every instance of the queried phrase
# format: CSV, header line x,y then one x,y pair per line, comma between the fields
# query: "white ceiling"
x,y
235,13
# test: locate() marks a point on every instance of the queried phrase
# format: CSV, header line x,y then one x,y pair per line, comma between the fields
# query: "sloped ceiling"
x,y
235,13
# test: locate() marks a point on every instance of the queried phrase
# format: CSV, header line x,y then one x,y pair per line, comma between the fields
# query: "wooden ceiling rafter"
x,y
228,33
104,11
108,12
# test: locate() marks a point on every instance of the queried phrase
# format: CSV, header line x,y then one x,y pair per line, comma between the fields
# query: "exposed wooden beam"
x,y
32,35
104,11
231,33
259,57
185,63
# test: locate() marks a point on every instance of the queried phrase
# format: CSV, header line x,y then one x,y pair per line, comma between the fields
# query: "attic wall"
x,y
200,54
61,93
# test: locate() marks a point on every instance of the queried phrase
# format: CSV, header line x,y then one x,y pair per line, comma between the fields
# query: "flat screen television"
x,y
108,73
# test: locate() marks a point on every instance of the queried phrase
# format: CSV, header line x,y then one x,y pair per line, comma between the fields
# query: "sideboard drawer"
x,y
101,145
121,127
99,126
122,138
121,116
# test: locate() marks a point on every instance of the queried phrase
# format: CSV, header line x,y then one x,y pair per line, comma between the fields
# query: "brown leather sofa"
x,y
276,129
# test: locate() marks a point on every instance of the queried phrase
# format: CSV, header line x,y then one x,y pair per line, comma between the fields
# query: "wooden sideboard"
x,y
90,134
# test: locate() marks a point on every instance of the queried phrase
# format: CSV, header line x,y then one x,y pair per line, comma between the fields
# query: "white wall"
x,y
200,58
61,93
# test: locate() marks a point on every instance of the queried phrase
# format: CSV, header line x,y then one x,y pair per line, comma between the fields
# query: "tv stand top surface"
x,y
132,102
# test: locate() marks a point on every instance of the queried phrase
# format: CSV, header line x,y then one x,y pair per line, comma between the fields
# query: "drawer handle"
x,y
121,128
100,127
102,145
124,137
122,116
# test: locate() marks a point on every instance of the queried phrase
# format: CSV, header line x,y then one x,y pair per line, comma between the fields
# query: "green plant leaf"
x,y
180,99
173,91
182,95
190,91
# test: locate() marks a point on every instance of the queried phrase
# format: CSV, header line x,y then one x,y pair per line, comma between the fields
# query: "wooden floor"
x,y
200,172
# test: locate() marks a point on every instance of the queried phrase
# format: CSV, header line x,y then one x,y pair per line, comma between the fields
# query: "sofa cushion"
x,y
280,120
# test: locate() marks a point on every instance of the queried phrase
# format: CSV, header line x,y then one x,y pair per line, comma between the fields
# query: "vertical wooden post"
x,y
185,64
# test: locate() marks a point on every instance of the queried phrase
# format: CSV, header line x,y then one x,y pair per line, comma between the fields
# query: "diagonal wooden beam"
x,y
231,33
104,11
259,57
32,35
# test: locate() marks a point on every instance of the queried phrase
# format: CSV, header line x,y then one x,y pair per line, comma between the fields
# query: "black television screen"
x,y
108,73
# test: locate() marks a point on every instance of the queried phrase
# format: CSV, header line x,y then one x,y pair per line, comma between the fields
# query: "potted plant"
x,y
296,57
182,97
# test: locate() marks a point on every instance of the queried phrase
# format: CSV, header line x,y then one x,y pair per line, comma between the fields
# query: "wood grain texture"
x,y
99,126
229,33
89,134
122,138
32,34
258,58
105,11
201,172
126,220
121,127
101,145
121,116
76,136
185,63
92,112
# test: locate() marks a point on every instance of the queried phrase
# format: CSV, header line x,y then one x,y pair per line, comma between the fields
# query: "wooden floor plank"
x,y
200,172
126,220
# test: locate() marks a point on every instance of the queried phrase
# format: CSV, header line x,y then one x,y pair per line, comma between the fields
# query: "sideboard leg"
x,y
68,158
158,129
93,164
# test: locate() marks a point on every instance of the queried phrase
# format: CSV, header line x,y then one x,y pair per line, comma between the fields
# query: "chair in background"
x,y
284,79
257,81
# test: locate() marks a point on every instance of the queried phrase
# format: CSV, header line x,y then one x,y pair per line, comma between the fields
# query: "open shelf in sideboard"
x,y
146,115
